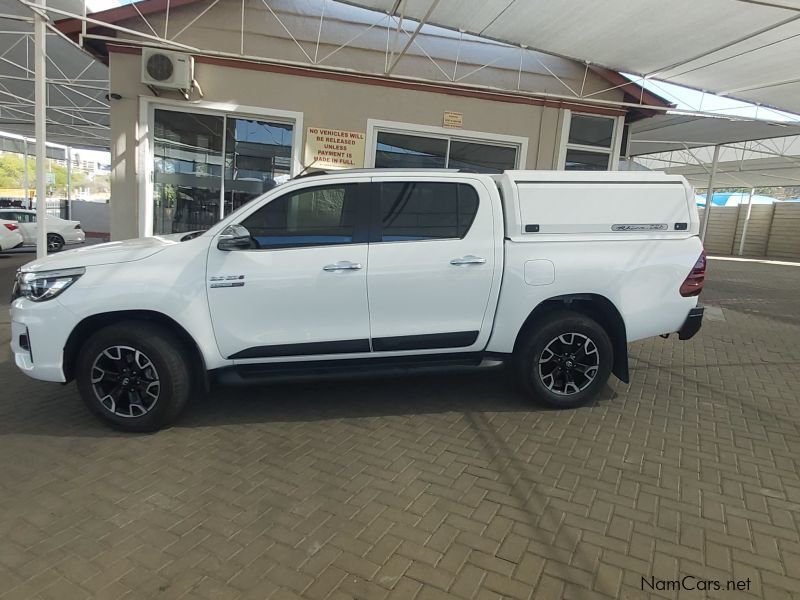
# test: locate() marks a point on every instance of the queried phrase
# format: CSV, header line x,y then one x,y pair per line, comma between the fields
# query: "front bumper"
x,y
39,332
692,324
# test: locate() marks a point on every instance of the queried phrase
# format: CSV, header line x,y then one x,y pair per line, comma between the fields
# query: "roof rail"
x,y
317,172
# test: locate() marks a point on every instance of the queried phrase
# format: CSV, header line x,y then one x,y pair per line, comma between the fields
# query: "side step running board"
x,y
346,368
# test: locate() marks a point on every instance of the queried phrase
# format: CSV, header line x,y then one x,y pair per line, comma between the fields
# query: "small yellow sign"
x,y
335,149
453,120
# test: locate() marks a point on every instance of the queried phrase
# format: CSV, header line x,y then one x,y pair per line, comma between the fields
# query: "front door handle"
x,y
469,259
342,265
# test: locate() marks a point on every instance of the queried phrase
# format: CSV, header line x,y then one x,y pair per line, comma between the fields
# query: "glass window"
x,y
589,130
189,166
187,171
583,160
590,143
309,217
397,150
258,156
421,210
484,158
400,150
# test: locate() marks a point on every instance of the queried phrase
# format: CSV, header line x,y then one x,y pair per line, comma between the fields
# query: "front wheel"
x,y
566,361
133,376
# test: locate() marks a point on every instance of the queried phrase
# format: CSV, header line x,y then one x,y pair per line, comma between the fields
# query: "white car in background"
x,y
10,236
59,231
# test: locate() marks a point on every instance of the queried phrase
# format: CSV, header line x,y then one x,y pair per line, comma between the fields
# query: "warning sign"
x,y
453,120
334,149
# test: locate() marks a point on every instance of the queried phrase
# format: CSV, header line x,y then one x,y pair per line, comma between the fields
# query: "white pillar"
x,y
69,182
709,193
40,87
25,177
746,221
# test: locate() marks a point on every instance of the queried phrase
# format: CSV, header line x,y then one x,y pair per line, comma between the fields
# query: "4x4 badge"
x,y
221,281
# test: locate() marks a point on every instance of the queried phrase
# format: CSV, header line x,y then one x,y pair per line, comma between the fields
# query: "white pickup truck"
x,y
552,272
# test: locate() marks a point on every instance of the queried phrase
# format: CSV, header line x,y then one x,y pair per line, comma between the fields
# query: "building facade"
x,y
256,117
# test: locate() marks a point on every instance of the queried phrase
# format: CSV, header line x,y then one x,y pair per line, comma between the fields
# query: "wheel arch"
x,y
594,306
85,328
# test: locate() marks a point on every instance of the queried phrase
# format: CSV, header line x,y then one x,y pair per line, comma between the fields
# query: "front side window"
x,y
422,210
315,216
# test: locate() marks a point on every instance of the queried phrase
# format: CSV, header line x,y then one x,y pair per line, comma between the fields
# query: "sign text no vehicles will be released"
x,y
335,149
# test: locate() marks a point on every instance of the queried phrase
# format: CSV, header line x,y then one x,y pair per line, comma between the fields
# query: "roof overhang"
x,y
77,84
667,133
751,153
746,49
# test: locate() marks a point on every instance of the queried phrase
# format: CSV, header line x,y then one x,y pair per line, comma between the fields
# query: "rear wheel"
x,y
133,376
566,361
55,243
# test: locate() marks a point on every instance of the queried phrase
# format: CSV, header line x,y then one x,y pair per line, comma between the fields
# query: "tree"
x,y
12,171
12,175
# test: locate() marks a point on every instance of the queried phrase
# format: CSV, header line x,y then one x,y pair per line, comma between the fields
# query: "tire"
x,y
55,243
565,361
146,358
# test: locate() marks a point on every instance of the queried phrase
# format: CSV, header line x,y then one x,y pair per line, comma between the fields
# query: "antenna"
x,y
306,168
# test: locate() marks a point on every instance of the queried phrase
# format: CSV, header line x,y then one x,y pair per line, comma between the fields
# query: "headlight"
x,y
44,285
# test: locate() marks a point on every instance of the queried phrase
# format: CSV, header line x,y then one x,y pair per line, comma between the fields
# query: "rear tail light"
x,y
11,226
693,284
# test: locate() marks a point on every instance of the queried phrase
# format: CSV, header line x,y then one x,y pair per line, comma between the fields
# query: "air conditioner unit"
x,y
166,69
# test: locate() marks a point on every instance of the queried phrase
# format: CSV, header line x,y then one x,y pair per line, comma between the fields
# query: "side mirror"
x,y
235,237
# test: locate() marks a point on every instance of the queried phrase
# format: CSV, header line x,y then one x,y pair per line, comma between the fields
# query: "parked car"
x,y
59,231
10,236
552,272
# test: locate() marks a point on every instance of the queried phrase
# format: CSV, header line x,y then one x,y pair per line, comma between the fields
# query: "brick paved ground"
x,y
437,486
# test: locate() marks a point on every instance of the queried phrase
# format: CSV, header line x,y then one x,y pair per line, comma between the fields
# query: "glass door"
x,y
258,156
192,150
187,171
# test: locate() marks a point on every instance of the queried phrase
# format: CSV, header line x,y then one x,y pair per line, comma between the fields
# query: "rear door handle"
x,y
469,259
342,265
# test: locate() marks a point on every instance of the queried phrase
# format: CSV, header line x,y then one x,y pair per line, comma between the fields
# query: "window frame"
x,y
361,227
612,151
376,193
146,146
375,126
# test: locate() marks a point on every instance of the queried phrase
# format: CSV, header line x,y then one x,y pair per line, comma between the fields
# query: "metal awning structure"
x,y
746,49
750,153
666,133
77,84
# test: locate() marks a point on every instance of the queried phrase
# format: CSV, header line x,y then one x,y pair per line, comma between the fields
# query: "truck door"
x,y
302,291
432,259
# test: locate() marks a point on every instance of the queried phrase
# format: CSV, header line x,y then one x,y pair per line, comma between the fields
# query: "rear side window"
x,y
423,210
309,217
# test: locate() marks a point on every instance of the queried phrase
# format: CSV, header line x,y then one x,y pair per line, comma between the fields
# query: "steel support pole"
x,y
40,117
69,182
746,221
709,194
25,175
